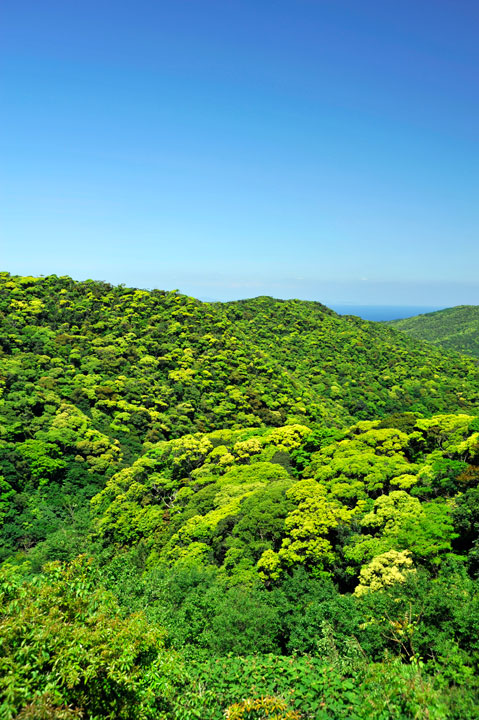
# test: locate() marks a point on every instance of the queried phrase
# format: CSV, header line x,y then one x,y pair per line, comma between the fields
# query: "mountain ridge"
x,y
454,329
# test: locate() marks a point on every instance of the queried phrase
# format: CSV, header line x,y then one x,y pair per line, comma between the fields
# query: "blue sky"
x,y
321,149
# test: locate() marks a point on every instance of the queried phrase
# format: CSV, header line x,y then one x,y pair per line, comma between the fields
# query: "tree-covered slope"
x,y
331,573
237,510
455,328
353,362
155,365
258,503
90,372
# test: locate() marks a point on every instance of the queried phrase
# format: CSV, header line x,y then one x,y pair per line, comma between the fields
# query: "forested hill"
x,y
130,365
154,365
212,510
90,372
455,328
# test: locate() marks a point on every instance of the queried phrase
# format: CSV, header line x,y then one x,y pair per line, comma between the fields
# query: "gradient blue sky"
x,y
321,149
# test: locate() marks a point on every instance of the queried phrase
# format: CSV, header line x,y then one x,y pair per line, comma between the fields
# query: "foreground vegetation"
x,y
249,510
455,328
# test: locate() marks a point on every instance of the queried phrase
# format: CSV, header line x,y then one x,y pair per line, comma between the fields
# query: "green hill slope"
x,y
455,328
264,501
251,562
210,510
154,365
91,372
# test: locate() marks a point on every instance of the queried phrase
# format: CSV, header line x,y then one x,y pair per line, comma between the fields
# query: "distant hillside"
x,y
139,365
90,372
456,328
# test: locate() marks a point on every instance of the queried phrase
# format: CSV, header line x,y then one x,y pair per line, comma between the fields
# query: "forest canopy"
x,y
454,329
245,510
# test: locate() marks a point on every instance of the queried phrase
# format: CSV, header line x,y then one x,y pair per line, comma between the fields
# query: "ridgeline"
x,y
455,329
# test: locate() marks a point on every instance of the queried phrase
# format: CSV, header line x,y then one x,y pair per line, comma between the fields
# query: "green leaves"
x,y
62,634
233,504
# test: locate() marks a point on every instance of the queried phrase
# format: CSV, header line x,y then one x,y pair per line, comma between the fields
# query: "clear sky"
x,y
321,149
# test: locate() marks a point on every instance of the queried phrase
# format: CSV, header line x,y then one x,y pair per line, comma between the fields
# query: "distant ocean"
x,y
383,312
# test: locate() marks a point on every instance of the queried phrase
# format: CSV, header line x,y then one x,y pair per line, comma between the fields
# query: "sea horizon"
x,y
383,313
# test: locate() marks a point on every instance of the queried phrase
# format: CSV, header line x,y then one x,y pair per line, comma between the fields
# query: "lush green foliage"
x,y
455,328
67,653
89,373
245,510
65,650
362,507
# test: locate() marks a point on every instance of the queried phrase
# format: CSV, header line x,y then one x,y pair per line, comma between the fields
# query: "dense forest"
x,y
455,328
245,510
